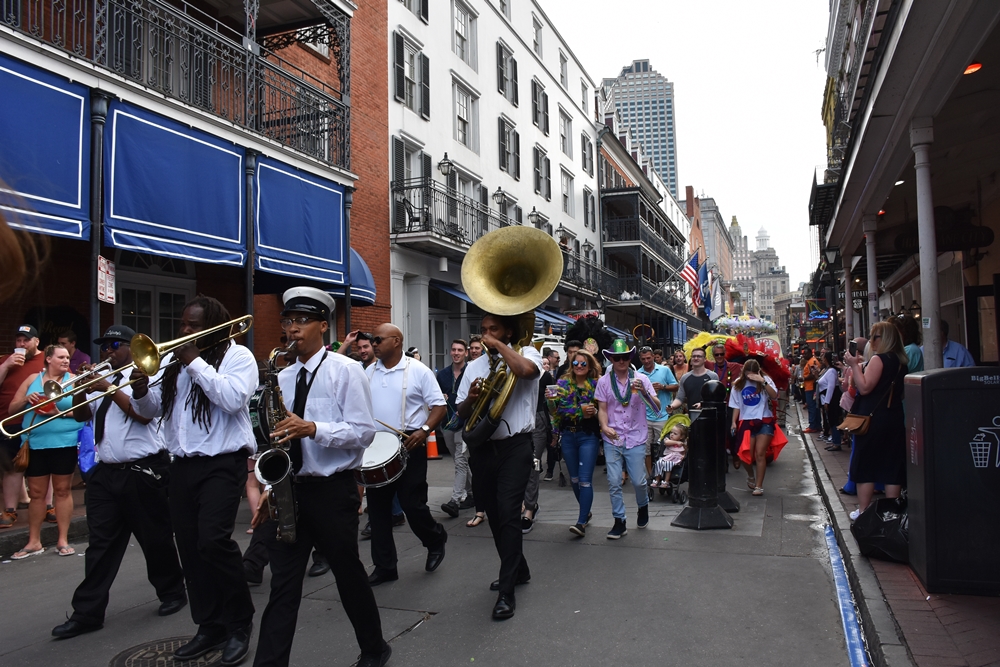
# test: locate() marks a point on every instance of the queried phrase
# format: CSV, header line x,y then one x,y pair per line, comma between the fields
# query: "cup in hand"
x,y
636,386
551,390
20,350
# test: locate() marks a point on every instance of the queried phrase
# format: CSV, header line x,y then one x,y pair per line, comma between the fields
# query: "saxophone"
x,y
274,465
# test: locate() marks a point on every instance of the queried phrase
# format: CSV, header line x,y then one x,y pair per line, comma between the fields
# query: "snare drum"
x,y
384,461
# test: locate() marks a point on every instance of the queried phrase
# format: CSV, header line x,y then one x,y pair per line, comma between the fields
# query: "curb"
x,y
13,539
883,640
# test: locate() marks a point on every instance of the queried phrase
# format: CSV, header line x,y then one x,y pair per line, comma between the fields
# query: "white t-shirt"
x,y
752,401
422,393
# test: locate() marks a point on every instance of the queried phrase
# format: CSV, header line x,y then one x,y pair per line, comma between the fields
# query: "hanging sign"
x,y
105,280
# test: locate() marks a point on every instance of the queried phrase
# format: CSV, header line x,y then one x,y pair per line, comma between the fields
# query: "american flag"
x,y
689,274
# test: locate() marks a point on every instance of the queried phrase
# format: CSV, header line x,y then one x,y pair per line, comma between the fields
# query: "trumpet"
x,y
56,390
146,356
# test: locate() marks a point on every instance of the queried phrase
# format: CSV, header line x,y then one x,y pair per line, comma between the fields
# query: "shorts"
x,y
55,461
763,429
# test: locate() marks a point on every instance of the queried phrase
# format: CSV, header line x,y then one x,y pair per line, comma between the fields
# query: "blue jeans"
x,y
849,485
635,462
814,422
580,452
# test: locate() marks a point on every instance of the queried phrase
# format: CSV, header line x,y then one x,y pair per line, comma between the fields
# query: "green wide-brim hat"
x,y
618,346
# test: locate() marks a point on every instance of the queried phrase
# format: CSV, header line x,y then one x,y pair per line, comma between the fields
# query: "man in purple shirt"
x,y
77,357
622,397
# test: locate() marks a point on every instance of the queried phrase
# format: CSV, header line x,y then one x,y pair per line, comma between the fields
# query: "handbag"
x,y
858,424
20,462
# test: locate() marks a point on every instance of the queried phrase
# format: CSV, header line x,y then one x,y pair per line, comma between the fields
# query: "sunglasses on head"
x,y
644,350
112,346
582,364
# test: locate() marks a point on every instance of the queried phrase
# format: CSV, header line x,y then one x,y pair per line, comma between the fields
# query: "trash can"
x,y
953,479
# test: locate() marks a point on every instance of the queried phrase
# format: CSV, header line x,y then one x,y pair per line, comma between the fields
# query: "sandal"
x,y
751,483
65,550
757,492
24,553
476,520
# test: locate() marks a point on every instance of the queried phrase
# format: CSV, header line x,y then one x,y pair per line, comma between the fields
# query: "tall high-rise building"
x,y
645,100
742,267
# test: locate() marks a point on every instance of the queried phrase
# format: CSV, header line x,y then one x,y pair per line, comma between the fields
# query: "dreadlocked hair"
x,y
214,350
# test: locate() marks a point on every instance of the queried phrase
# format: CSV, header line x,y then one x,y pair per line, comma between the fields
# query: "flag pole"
x,y
675,272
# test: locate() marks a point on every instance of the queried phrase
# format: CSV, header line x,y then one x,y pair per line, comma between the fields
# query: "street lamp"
x,y
499,196
534,217
446,166
831,255
915,309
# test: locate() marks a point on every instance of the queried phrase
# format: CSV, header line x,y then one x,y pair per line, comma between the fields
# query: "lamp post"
x,y
446,166
534,217
499,196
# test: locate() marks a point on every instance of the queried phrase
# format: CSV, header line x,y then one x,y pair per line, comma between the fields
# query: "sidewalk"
x,y
12,539
910,626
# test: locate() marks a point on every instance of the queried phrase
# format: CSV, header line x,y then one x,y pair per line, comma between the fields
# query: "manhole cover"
x,y
160,653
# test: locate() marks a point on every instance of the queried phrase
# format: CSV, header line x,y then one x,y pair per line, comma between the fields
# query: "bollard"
x,y
703,511
713,394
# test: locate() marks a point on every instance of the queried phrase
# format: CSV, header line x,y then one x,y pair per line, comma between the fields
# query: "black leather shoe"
x,y
468,503
398,519
199,645
319,568
450,508
73,628
366,532
172,606
377,577
254,576
521,581
504,608
375,660
434,558
238,647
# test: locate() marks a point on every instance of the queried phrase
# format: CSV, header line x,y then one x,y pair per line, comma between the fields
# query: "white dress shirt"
x,y
422,393
125,439
340,405
519,415
228,391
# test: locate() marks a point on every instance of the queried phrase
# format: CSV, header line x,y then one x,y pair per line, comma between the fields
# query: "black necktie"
x,y
299,408
102,411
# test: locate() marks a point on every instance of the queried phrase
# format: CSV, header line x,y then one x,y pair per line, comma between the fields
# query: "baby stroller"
x,y
673,473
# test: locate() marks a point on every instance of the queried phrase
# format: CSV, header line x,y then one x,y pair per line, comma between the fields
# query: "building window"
x,y
584,96
412,76
587,154
466,118
543,173
563,70
565,132
418,7
505,8
566,181
465,34
539,107
506,73
536,43
510,148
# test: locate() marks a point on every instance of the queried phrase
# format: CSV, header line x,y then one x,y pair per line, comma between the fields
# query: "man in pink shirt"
x,y
622,397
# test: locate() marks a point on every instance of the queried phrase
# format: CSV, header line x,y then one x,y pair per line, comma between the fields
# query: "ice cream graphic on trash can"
x,y
982,443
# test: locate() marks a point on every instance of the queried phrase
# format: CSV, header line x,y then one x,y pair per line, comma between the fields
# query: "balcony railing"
x,y
188,56
428,207
633,288
589,276
634,230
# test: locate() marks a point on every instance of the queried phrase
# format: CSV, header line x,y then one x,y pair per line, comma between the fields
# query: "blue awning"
x,y
300,224
454,291
618,333
362,282
172,190
556,316
44,151
544,316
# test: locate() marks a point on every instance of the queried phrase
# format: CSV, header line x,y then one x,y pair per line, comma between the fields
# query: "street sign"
x,y
105,280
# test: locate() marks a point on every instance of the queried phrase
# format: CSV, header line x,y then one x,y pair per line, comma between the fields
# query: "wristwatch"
x,y
425,428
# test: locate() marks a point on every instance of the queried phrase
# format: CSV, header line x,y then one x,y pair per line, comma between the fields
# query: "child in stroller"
x,y
669,469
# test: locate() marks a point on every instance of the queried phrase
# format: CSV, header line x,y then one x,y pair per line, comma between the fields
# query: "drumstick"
x,y
393,428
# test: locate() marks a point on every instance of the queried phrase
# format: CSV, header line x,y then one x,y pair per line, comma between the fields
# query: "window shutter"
x,y
586,212
545,113
500,69
423,10
425,86
400,54
535,115
518,215
398,157
583,151
484,214
536,159
503,144
593,212
453,194
517,156
548,179
513,75
426,166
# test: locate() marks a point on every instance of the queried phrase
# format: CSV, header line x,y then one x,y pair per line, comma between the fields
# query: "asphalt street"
x,y
759,594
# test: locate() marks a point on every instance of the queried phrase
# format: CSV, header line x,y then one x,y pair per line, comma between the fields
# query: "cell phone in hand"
x,y
853,348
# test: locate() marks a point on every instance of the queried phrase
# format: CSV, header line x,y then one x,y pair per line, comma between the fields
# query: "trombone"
x,y
146,356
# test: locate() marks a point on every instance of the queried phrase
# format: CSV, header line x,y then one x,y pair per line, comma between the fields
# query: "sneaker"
x,y
468,503
450,508
579,529
50,514
643,519
526,525
7,519
590,515
398,520
618,530
855,514
547,478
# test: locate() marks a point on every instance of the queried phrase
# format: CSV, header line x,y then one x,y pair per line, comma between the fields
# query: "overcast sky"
x,y
747,93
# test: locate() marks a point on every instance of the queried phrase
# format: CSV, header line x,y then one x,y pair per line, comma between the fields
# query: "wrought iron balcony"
x,y
636,289
184,54
589,276
634,230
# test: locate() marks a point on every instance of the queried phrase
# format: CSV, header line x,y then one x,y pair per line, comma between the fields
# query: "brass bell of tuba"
x,y
510,271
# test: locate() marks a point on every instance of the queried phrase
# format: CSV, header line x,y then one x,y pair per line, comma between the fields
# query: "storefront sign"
x,y
105,280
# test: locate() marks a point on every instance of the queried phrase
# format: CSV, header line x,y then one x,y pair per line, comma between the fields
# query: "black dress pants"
x,y
328,519
121,503
204,498
257,553
502,467
411,488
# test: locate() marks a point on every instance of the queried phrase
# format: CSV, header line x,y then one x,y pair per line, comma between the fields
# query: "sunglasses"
x,y
112,346
582,364
620,357
644,350
720,354
302,320
377,340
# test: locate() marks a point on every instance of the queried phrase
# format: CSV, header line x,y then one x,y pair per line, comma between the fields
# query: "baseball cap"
x,y
116,332
27,330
